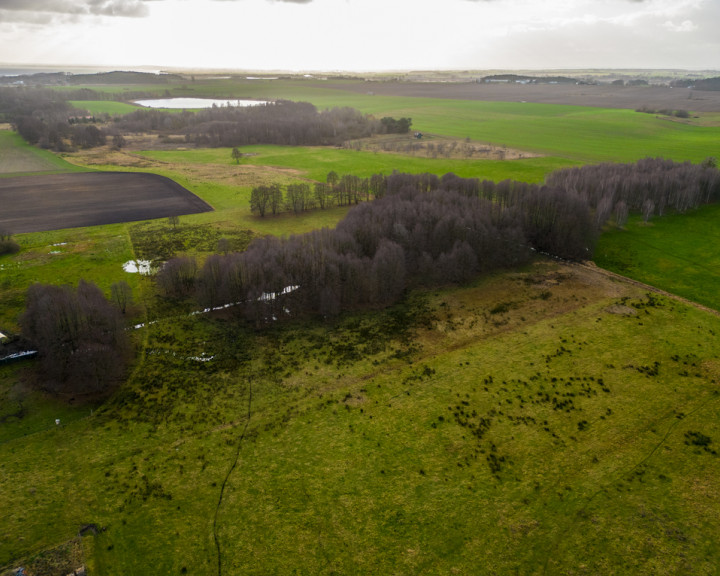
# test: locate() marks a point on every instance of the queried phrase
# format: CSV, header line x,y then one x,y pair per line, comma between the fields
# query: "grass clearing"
x,y
676,252
400,441
98,107
315,162
63,257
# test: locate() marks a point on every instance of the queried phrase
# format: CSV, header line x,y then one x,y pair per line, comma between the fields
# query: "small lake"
x,y
191,103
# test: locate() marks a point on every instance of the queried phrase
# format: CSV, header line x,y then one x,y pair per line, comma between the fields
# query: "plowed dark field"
x,y
54,202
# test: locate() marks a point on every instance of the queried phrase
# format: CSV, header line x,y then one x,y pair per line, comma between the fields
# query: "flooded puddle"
x,y
138,267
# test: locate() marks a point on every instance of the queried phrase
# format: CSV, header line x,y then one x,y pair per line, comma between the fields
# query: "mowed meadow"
x,y
544,420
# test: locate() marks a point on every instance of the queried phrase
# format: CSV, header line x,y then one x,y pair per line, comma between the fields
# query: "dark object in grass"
x,y
699,439
7,244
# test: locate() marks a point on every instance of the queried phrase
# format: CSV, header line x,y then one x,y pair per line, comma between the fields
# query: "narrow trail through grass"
x,y
216,537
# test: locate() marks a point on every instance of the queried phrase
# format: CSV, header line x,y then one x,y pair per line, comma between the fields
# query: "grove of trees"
x,y
80,337
420,230
666,184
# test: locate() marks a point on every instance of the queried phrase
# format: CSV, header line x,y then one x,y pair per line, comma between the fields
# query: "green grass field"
x,y
547,420
97,107
316,162
575,133
677,252
398,442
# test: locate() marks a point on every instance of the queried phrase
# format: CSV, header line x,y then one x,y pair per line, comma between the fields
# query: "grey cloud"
x,y
126,8
284,1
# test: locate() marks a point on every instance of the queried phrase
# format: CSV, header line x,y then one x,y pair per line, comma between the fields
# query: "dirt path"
x,y
612,275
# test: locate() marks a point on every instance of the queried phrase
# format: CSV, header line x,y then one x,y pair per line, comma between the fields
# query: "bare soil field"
x,y
54,202
603,96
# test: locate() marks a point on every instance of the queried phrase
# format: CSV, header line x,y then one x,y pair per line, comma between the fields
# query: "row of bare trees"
x,y
425,229
650,186
612,191
344,190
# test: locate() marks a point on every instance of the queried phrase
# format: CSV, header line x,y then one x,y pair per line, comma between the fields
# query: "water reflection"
x,y
186,103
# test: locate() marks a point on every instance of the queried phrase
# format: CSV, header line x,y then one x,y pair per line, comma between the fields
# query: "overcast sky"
x,y
363,34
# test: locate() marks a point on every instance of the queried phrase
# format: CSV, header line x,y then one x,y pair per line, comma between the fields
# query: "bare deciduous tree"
x,y
177,277
648,207
121,294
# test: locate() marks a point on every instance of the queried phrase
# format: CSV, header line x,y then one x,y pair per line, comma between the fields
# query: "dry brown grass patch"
x,y
434,146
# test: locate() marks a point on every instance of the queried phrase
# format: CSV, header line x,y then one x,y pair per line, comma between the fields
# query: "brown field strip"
x,y
604,96
54,202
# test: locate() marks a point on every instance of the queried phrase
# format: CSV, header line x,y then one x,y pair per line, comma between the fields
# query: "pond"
x,y
192,103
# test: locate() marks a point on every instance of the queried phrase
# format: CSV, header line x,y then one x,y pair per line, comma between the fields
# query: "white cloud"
x,y
363,34
685,26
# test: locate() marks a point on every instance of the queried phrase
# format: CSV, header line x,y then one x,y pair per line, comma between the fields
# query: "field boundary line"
x,y
227,477
589,265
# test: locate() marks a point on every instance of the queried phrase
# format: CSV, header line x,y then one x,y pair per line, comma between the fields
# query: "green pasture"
x,y
583,134
17,157
539,421
98,107
316,162
676,252
396,442
574,133
94,254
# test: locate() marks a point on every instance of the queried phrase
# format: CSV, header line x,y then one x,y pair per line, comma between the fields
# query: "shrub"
x,y
7,244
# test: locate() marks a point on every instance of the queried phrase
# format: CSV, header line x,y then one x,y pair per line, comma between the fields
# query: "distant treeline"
x,y
46,118
118,77
282,122
42,117
699,84
651,186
